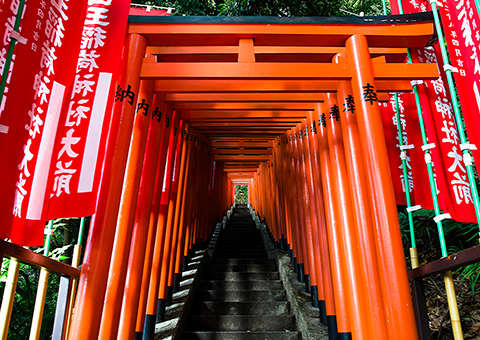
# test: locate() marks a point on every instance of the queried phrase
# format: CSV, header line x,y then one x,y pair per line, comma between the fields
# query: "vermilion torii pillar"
x,y
126,216
151,275
398,302
268,76
362,208
91,290
152,169
326,300
342,319
355,280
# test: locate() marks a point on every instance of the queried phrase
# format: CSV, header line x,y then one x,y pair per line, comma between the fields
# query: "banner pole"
x,y
477,5
8,297
403,157
433,187
41,289
75,263
413,249
448,279
464,146
8,59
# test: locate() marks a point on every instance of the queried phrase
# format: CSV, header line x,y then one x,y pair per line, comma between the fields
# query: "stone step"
x,y
240,227
240,245
234,238
240,295
252,237
241,285
240,242
241,308
242,276
242,261
245,268
241,335
242,250
241,323
241,254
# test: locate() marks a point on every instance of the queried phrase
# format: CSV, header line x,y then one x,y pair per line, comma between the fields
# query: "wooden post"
x,y
397,298
355,279
92,285
342,322
154,279
362,208
121,248
141,224
164,290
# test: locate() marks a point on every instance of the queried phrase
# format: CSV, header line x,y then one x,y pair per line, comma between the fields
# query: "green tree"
x,y
281,8
241,194
64,236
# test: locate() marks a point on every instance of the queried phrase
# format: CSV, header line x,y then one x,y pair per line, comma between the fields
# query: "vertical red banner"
x,y
451,175
389,121
410,6
148,10
82,136
40,85
8,14
461,25
452,184
412,139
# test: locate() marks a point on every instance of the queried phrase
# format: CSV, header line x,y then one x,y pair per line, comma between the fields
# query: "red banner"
x,y
410,6
461,24
451,175
82,135
8,14
416,170
41,81
148,10
391,138
452,182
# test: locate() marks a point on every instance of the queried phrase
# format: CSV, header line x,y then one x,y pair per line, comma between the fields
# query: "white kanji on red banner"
x,y
83,132
40,82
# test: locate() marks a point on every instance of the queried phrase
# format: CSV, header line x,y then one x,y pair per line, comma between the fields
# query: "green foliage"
x,y
63,238
471,273
241,194
281,8
458,236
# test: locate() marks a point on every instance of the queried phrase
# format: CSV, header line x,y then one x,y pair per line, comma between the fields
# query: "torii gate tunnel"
x,y
245,100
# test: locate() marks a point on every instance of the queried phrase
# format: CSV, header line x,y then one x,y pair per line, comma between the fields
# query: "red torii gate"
x,y
240,84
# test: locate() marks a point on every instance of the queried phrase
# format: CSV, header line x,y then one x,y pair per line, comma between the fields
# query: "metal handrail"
x,y
36,260
17,255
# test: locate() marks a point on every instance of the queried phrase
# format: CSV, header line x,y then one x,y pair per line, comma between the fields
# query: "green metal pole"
x,y
75,263
467,156
403,157
447,276
385,11
477,4
428,158
48,238
431,177
80,231
41,290
8,59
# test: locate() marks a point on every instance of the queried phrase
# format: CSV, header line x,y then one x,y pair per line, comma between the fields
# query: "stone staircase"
x,y
240,295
